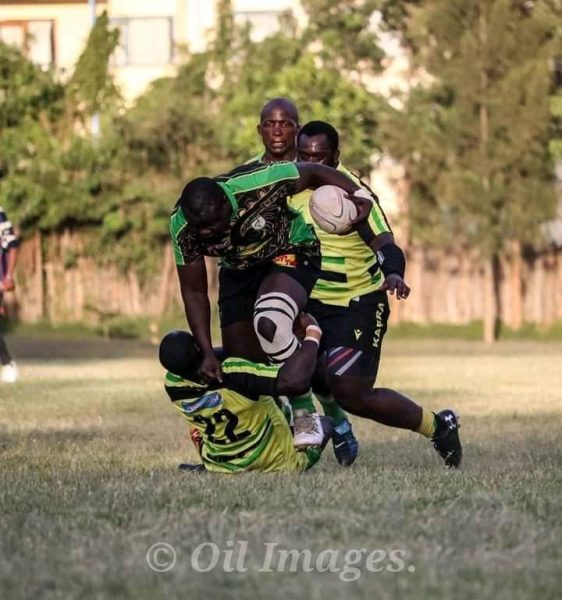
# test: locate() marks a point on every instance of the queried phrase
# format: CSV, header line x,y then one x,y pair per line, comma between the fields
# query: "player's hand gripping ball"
x,y
332,210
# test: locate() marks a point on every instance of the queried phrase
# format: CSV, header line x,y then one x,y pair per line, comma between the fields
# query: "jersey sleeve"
x,y
8,238
185,246
179,388
262,176
375,224
249,378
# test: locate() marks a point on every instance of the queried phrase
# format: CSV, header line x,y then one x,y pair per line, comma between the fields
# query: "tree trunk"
x,y
492,299
489,303
516,287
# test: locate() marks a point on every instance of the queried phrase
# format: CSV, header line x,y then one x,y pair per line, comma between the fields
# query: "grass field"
x,y
88,483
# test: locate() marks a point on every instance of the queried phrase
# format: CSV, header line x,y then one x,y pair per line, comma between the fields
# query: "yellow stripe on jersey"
x,y
349,266
240,365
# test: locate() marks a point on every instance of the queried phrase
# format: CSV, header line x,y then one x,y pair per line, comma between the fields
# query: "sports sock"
x,y
332,409
428,424
303,402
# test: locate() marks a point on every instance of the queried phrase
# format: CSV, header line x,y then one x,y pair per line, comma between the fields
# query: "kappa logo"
x,y
380,323
358,333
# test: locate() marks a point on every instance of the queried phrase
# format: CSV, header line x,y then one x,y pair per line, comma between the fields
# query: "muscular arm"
x,y
314,175
394,279
295,375
193,285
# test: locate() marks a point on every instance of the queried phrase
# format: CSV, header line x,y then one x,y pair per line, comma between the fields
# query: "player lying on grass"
x,y
240,426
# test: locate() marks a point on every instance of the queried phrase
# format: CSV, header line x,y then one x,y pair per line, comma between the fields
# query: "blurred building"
x,y
154,35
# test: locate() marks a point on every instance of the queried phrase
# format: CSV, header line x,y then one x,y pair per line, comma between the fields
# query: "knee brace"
x,y
274,314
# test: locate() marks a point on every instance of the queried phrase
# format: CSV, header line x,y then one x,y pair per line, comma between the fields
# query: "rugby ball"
x,y
331,210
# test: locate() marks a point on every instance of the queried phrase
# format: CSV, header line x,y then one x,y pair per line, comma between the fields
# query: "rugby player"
x,y
269,263
8,252
236,422
278,128
350,302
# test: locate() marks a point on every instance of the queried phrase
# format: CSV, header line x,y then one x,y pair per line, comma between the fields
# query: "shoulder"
x,y
256,175
177,220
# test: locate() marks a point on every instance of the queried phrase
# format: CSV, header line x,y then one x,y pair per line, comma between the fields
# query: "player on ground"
x,y
269,263
8,251
278,128
350,302
238,423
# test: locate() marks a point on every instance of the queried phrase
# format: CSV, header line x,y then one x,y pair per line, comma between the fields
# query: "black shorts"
x,y
352,335
238,288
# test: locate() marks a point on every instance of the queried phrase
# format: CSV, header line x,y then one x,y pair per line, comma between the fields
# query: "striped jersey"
x,y
241,426
349,267
8,240
262,225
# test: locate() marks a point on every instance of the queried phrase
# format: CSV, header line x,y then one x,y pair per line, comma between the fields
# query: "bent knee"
x,y
274,314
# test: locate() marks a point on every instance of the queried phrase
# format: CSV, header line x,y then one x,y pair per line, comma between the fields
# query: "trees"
x,y
474,136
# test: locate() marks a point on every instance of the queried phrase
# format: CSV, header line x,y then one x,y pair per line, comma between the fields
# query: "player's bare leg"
x,y
239,339
391,408
279,301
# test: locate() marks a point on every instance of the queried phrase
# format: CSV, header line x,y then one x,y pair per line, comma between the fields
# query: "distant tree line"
x,y
478,134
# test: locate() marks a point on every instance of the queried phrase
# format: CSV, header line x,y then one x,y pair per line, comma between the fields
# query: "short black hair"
x,y
201,198
321,128
179,354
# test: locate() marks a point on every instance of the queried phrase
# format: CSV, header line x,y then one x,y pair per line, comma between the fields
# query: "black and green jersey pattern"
x,y
262,226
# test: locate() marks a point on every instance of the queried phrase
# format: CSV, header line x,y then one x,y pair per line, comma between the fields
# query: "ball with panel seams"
x,y
331,209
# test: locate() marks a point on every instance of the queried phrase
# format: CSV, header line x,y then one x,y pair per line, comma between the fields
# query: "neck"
x,y
290,155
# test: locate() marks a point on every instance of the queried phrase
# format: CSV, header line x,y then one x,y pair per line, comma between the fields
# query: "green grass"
x,y
474,331
89,447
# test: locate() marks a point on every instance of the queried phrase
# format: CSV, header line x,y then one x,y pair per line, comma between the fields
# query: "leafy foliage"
x,y
474,135
118,189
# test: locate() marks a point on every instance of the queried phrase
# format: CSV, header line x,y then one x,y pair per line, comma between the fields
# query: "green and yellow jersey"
x,y
262,225
349,267
241,426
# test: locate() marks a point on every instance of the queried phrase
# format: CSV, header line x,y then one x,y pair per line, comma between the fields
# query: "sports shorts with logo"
x,y
352,335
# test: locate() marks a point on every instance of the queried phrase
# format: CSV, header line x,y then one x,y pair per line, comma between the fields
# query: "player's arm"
x,y
194,293
376,233
315,175
295,375
293,378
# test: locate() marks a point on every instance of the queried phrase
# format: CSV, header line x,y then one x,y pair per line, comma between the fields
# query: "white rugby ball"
x,y
331,209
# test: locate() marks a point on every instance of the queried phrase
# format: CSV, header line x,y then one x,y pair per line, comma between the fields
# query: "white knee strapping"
x,y
281,310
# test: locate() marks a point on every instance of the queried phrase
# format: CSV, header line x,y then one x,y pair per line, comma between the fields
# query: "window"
x,y
143,41
262,23
34,38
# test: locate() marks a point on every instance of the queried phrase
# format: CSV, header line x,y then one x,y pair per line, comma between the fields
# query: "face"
x,y
278,129
316,149
215,228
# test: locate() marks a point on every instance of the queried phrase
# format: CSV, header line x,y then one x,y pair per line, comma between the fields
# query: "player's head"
x,y
179,354
278,127
206,208
318,142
